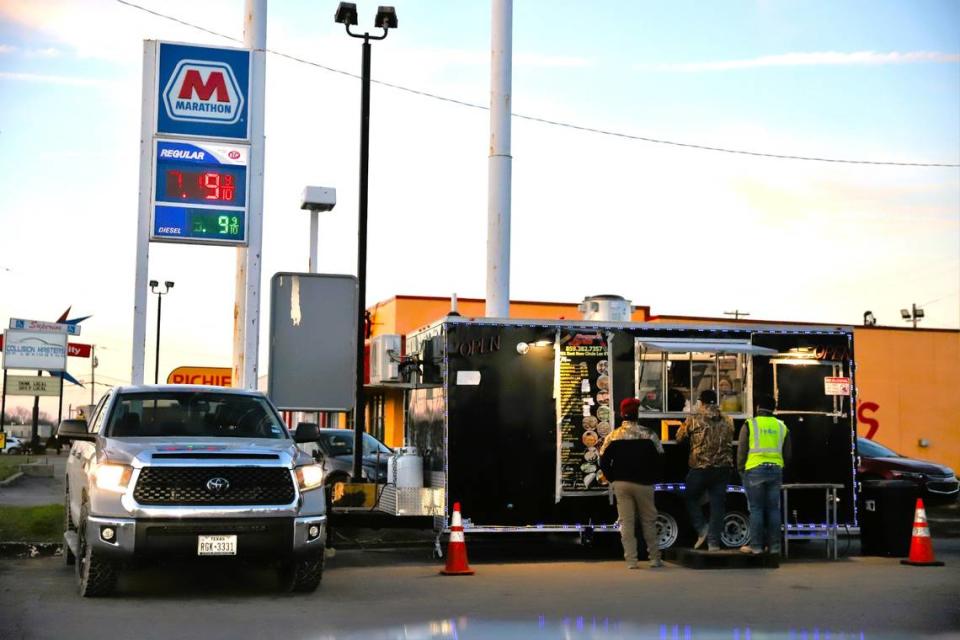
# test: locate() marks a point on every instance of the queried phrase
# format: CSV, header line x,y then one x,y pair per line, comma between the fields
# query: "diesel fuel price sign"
x,y
200,192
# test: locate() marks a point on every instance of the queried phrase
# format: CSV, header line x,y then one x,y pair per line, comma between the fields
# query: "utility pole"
x,y
499,166
93,367
736,313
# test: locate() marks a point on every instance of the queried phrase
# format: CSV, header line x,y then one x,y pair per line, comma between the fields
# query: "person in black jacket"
x,y
631,460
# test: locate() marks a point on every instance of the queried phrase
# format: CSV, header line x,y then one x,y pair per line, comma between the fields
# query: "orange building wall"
x,y
909,382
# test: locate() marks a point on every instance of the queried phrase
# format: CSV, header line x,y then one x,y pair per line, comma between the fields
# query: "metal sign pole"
x,y
35,426
3,402
246,326
143,213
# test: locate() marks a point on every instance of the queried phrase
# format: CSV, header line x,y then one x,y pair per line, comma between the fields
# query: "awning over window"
x,y
705,346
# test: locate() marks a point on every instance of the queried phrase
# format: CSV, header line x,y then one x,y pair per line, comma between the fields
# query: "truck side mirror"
x,y
74,430
306,432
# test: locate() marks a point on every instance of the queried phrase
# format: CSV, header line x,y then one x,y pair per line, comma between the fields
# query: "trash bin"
x,y
886,517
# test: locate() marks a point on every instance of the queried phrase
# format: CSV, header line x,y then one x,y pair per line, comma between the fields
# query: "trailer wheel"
x,y
736,529
668,530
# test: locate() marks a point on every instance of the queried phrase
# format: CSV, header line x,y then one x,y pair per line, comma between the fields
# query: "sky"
x,y
685,231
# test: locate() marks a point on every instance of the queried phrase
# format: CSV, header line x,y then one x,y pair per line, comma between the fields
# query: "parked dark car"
x,y
938,483
334,450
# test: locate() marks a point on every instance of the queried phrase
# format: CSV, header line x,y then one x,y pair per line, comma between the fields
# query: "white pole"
x,y
141,275
246,324
314,231
499,164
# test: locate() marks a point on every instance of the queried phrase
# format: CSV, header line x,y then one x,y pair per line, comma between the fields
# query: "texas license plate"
x,y
217,546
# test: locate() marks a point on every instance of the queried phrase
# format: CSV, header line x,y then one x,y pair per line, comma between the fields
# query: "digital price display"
x,y
200,192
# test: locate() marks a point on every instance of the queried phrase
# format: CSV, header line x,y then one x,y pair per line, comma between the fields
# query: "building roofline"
x,y
542,303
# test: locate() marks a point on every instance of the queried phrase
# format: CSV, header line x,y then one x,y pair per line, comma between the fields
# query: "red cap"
x,y
629,407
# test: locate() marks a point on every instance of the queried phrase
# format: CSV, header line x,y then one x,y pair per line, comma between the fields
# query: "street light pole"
x,y
155,288
386,19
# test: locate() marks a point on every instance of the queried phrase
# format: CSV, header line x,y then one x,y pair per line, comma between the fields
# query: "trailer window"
x,y
671,382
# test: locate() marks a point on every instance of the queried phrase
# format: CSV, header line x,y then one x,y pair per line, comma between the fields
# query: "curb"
x,y
29,549
11,479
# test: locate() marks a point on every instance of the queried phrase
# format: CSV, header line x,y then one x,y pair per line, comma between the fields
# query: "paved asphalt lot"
x,y
526,590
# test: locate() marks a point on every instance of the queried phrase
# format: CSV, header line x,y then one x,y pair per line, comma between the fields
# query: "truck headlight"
x,y
113,477
309,476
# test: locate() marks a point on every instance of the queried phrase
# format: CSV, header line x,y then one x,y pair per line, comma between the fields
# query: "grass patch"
x,y
10,465
31,524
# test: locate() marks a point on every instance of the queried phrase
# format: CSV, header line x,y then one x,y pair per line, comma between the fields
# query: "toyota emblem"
x,y
217,485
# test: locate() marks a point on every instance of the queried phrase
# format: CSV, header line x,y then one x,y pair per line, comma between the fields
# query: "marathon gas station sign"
x,y
200,154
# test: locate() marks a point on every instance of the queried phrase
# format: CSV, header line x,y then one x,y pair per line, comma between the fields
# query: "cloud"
x,y
6,48
69,81
48,52
809,59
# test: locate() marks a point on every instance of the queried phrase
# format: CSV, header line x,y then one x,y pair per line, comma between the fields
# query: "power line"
x,y
949,295
547,121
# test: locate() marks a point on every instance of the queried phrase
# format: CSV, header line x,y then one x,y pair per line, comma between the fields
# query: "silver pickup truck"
x,y
190,471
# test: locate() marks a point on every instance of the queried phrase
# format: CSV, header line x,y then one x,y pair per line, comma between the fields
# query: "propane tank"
x,y
405,468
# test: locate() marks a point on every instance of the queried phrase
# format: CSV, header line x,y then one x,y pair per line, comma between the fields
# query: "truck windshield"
x,y
193,414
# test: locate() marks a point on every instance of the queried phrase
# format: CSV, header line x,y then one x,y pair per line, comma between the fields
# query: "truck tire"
x,y
68,526
302,575
96,576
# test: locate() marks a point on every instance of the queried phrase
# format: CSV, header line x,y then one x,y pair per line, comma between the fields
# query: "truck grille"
x,y
205,485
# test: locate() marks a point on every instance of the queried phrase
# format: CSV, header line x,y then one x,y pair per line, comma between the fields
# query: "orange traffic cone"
x,y
921,547
457,548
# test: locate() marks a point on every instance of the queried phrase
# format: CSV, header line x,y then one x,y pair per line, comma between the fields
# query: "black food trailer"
x,y
507,417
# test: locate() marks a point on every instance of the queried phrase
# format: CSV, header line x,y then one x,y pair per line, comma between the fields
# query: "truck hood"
x,y
203,451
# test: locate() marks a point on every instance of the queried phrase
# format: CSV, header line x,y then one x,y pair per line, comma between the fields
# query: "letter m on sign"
x,y
193,85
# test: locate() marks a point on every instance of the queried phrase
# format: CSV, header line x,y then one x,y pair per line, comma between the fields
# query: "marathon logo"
x,y
203,91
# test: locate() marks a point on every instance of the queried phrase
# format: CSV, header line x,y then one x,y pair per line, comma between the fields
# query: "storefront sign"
x,y
478,346
584,412
211,376
39,325
33,386
24,349
836,386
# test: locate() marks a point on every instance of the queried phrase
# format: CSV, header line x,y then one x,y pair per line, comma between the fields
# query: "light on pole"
x,y
385,19
315,200
914,314
155,288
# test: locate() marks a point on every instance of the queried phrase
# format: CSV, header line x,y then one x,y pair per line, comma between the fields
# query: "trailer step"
x,y
727,559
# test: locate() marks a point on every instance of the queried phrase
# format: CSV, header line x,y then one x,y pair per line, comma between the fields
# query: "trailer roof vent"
x,y
606,308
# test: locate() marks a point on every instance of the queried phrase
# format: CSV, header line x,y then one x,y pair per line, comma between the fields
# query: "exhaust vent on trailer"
x,y
606,308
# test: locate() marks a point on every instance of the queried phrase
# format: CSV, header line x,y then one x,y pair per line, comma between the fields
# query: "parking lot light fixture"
x,y
386,19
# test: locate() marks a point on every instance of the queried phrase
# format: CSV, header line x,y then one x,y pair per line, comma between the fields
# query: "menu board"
x,y
584,415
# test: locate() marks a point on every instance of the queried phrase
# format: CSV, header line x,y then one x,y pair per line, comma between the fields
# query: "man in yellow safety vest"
x,y
763,443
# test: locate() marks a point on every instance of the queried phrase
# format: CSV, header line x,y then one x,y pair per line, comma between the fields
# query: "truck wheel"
x,y
736,529
302,575
96,576
668,530
68,527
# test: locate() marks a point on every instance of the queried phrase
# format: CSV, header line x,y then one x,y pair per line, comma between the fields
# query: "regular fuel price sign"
x,y
199,192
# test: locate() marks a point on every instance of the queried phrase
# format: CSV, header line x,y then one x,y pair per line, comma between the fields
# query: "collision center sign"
x,y
24,349
203,91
